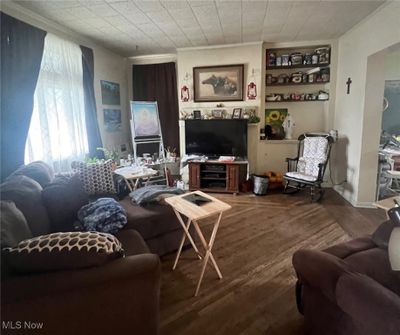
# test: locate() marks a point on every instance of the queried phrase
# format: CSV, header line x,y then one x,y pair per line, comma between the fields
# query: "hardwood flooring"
x,y
253,248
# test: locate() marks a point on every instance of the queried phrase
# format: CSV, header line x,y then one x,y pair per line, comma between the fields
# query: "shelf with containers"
x,y
314,65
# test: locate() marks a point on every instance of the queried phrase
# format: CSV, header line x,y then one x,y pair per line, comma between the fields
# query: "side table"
x,y
133,176
194,213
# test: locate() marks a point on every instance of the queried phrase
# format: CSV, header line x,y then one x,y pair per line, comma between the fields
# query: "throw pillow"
x,y
14,227
38,171
63,198
63,251
96,177
27,196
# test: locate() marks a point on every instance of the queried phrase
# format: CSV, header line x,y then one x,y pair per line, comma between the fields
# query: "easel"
x,y
156,137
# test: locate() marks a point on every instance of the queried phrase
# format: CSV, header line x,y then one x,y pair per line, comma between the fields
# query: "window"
x,y
57,133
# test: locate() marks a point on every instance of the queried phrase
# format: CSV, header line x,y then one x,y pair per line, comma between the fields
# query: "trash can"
x,y
260,185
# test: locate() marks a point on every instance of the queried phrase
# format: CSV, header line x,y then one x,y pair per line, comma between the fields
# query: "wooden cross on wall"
x,y
348,83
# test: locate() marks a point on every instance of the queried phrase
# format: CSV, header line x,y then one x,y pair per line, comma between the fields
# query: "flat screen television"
x,y
214,138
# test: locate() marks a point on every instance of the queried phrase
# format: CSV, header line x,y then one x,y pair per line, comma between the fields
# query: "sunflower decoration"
x,y
273,123
274,115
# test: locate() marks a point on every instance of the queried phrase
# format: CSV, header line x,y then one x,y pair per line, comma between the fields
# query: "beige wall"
x,y
107,65
392,65
248,54
358,114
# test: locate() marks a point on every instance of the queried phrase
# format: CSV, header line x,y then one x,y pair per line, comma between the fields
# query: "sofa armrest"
x,y
119,296
319,270
374,308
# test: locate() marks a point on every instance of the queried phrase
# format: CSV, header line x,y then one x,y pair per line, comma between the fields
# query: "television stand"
x,y
215,176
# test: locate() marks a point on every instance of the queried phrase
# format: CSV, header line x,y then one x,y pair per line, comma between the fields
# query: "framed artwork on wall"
x,y
218,83
112,120
110,93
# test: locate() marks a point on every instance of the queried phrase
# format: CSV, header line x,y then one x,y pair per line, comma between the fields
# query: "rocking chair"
x,y
308,168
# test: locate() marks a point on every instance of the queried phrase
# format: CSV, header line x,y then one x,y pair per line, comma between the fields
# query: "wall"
x,y
249,54
107,65
358,114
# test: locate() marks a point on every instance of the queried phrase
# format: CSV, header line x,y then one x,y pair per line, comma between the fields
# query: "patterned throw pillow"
x,y
96,177
63,251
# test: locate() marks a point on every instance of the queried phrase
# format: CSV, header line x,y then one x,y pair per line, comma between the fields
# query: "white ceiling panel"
x,y
133,27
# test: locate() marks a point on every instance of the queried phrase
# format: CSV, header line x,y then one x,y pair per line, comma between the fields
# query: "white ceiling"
x,y
132,27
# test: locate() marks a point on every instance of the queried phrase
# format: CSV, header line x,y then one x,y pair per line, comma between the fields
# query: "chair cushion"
x,y
62,251
38,171
96,177
315,147
301,176
27,196
14,227
63,198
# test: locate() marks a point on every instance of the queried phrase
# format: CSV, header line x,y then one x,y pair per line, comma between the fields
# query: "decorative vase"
x,y
288,126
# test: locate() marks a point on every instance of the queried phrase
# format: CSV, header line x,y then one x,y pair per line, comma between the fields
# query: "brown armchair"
x,y
348,289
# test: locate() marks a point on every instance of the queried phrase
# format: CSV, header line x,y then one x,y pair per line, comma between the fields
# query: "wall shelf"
x,y
300,84
299,66
283,101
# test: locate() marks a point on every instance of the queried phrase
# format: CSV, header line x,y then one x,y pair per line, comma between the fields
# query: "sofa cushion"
x,y
14,227
38,171
345,249
382,234
27,196
96,177
62,251
375,264
63,198
132,242
150,221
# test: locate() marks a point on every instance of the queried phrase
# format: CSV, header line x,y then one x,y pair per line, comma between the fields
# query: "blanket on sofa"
x,y
104,215
149,193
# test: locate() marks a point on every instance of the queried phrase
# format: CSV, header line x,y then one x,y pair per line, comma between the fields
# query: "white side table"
x,y
133,176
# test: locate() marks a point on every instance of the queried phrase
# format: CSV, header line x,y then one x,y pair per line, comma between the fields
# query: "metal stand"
x,y
149,140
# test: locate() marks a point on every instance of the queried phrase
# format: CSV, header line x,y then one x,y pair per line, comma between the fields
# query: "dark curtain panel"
x,y
92,126
21,56
157,82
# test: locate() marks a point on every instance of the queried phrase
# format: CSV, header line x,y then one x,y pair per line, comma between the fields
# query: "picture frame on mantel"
x,y
218,83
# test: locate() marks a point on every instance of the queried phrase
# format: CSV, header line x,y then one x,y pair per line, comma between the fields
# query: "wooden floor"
x,y
253,249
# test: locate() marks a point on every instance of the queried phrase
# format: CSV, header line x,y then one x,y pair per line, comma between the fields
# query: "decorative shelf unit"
x,y
314,59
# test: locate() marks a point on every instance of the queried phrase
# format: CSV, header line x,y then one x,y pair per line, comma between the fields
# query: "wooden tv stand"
x,y
216,176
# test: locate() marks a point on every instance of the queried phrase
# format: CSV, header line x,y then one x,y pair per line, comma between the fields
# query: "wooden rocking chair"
x,y
308,168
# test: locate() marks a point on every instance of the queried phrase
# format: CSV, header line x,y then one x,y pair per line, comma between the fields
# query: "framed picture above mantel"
x,y
218,83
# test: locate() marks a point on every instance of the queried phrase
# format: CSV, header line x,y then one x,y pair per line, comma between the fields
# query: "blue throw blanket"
x,y
104,215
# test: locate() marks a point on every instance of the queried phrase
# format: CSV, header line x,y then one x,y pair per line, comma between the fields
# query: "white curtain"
x,y
57,133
